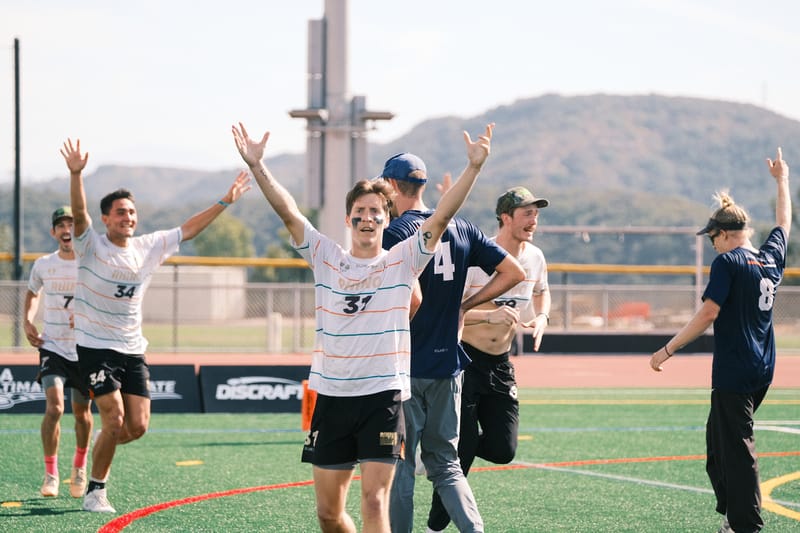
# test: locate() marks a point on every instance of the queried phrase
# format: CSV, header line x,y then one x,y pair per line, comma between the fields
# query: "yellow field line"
x,y
769,504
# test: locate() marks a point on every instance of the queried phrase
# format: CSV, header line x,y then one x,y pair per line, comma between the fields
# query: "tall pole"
x,y
17,197
336,154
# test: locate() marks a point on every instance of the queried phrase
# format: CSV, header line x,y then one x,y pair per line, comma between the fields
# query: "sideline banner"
x,y
252,389
173,389
19,392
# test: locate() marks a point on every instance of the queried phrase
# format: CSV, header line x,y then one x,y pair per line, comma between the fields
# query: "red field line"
x,y
118,524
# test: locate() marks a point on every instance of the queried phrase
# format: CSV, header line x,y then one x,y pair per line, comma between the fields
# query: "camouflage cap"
x,y
64,211
517,197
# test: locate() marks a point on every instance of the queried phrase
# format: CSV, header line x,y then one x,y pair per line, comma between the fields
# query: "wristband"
x,y
223,203
667,351
546,317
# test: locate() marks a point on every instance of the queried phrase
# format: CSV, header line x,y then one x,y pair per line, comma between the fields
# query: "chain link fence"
x,y
214,309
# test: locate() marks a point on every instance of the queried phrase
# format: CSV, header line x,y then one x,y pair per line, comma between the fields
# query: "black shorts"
x,y
349,429
489,375
107,370
50,363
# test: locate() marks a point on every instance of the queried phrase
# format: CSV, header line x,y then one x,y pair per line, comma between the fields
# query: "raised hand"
x,y
778,168
478,151
240,186
252,152
447,182
72,155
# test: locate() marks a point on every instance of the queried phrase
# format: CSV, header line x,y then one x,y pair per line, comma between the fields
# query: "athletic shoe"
x,y
77,482
97,502
726,526
419,466
50,486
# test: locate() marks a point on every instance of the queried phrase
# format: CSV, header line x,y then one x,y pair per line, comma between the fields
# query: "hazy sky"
x,y
159,82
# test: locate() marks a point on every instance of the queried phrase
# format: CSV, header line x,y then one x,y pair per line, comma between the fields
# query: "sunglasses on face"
x,y
712,237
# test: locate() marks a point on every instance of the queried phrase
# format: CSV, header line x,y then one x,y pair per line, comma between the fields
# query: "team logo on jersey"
x,y
513,392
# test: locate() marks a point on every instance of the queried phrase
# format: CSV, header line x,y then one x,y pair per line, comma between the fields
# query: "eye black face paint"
x,y
355,221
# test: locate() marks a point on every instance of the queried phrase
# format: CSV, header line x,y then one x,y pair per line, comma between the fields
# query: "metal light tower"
x,y
336,147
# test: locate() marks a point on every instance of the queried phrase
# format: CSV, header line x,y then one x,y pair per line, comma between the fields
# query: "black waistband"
x,y
483,358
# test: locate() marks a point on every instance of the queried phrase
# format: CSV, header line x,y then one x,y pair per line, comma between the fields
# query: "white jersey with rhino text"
x,y
363,339
111,284
520,295
55,278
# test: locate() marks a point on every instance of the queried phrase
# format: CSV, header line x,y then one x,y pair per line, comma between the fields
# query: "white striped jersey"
x,y
55,277
111,285
363,339
520,295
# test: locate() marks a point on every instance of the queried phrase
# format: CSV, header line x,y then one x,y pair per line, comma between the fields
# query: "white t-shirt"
x,y
111,285
363,340
56,278
520,295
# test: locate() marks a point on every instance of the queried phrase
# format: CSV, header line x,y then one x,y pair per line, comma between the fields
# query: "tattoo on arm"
x,y
426,238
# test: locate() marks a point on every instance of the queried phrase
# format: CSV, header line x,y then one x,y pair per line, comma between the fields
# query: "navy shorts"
x,y
52,364
350,429
107,370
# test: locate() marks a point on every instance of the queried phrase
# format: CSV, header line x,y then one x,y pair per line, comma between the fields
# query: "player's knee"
x,y
54,411
137,430
373,504
501,455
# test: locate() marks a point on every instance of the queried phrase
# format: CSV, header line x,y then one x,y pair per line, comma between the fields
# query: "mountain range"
x,y
601,160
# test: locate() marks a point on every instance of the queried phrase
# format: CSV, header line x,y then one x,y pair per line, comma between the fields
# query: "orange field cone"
x,y
307,406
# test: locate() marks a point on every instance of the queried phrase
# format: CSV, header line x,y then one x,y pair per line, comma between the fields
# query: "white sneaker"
x,y
77,482
97,502
419,466
50,486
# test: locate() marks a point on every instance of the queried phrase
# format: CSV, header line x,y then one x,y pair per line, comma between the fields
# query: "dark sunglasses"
x,y
714,236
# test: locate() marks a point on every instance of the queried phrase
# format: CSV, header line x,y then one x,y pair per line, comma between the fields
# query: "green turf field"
x,y
588,460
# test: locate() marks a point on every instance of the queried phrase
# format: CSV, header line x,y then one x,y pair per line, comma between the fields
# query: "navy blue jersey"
x,y
743,284
435,350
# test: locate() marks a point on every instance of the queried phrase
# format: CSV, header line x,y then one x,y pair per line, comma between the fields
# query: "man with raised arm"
x,y
114,271
361,361
437,358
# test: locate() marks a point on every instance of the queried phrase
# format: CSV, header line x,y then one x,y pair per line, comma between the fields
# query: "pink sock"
x,y
79,459
51,464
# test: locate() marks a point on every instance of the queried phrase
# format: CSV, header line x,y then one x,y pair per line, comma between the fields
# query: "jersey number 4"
x,y
443,262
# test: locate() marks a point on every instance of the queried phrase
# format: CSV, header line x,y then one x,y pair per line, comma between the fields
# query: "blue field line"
x,y
611,429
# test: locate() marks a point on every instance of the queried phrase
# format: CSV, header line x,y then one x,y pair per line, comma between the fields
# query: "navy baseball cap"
x,y
400,166
716,224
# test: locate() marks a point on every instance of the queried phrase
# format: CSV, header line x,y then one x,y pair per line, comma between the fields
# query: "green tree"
x,y
227,236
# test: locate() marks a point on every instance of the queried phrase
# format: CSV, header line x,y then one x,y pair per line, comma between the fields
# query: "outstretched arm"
x,y
282,202
200,221
454,197
783,206
701,321
77,196
507,274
